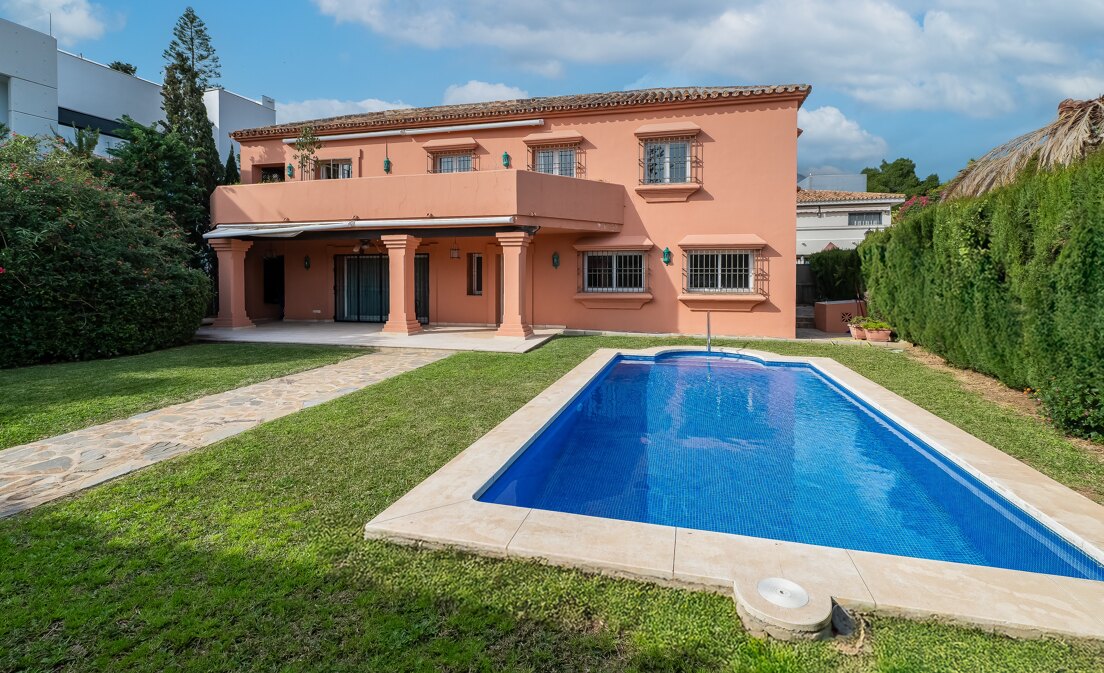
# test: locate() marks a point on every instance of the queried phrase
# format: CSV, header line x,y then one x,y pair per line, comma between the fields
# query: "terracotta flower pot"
x,y
878,334
857,332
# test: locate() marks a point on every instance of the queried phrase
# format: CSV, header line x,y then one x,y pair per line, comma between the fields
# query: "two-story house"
x,y
635,211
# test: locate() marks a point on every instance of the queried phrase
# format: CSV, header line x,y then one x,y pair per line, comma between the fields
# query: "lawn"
x,y
48,400
248,555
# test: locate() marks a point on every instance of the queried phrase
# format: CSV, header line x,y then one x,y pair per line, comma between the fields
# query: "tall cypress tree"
x,y
231,175
191,66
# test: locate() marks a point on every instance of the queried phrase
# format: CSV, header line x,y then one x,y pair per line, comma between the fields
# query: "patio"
x,y
447,337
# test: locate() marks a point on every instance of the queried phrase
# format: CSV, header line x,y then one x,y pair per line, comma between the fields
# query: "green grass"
x,y
248,555
48,400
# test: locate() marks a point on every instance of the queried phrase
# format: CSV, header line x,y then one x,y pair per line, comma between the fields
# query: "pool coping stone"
x,y
442,511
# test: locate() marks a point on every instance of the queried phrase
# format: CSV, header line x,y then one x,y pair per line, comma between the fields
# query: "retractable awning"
x,y
291,230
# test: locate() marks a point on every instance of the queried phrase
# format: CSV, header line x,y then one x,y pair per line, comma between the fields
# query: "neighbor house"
x,y
639,211
828,219
46,91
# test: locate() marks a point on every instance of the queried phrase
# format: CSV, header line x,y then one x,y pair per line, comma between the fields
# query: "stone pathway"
x,y
32,474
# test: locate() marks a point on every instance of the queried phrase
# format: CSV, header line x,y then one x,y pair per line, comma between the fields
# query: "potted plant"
x,y
876,330
856,327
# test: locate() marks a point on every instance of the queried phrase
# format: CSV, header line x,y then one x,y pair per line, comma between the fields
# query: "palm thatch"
x,y
1078,130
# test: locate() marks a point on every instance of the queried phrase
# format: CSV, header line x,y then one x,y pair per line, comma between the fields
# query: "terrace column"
x,y
231,282
402,318
515,253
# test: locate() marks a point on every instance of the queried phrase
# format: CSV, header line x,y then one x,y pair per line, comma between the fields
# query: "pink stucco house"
x,y
630,211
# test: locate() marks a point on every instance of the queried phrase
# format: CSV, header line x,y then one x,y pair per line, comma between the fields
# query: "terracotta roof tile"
x,y
521,106
823,195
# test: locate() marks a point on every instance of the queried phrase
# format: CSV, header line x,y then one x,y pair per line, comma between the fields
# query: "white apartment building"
x,y
44,90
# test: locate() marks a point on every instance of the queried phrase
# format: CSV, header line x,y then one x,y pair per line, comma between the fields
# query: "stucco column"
x,y
515,254
490,281
402,318
231,282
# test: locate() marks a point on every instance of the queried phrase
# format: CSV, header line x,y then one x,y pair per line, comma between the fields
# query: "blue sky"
x,y
939,81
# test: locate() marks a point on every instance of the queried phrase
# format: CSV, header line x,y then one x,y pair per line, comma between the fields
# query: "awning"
x,y
290,230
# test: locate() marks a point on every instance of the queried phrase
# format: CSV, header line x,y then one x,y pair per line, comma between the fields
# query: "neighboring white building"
x,y
44,90
829,219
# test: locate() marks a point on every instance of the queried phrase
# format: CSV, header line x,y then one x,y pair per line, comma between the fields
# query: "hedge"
x,y
86,271
1010,284
837,274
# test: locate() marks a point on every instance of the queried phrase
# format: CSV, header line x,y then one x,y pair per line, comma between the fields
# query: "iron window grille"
x,y
865,219
567,160
333,169
452,162
724,271
613,271
670,161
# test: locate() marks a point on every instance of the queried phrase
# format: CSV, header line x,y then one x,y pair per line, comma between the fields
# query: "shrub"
x,y
1009,283
86,270
837,274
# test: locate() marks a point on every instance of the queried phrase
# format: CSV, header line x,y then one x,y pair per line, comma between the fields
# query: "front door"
x,y
362,288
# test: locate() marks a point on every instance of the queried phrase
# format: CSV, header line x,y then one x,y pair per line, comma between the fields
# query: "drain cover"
x,y
782,592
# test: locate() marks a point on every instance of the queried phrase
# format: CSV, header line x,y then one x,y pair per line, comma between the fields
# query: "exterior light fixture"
x,y
454,252
506,159
387,165
291,171
306,262
555,260
667,256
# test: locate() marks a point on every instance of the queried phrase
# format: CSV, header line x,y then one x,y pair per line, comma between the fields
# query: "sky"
x,y
939,82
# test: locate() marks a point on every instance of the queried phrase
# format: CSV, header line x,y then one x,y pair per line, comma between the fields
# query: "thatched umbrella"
x,y
1078,130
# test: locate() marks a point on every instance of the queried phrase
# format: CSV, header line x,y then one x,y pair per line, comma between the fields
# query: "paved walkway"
x,y
35,473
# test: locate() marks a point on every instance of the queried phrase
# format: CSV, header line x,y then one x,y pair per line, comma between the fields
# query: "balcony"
x,y
531,199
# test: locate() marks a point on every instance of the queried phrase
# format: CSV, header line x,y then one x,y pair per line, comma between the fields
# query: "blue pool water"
x,y
728,444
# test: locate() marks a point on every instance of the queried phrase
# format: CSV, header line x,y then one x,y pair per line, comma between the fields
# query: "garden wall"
x,y
1010,283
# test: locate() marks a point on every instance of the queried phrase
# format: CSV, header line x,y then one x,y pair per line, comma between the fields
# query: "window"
x,y
475,273
272,173
460,162
555,160
334,169
864,219
613,271
719,271
667,160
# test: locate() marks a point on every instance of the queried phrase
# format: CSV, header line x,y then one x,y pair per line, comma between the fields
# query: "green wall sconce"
x,y
306,262
667,256
506,159
555,260
291,171
387,165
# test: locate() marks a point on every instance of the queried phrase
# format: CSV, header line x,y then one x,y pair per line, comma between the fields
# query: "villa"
x,y
636,211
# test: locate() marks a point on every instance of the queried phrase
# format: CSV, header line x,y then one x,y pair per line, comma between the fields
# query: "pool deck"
x,y
442,511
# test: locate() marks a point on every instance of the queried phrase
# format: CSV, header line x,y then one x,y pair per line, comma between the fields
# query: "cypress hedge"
x,y
86,270
1010,283
837,274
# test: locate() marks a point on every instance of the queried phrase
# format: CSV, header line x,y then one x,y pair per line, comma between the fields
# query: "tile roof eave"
x,y
502,110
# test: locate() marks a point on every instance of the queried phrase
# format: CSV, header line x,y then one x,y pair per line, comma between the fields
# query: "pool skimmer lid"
x,y
783,593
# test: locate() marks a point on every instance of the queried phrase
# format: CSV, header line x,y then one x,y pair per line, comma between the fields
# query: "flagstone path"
x,y
34,473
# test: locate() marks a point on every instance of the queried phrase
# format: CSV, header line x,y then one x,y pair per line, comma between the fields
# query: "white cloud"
x,y
320,108
475,91
968,56
1068,85
830,137
70,20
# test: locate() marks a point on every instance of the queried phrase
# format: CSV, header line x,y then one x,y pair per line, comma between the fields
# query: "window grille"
x,y
613,271
566,160
723,271
451,162
867,219
670,161
334,169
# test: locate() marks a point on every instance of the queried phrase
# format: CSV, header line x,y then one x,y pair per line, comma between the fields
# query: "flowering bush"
x,y
88,271
914,204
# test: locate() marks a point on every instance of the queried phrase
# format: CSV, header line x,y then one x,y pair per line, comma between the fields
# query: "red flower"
x,y
1,269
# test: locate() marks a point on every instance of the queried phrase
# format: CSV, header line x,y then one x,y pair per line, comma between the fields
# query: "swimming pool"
x,y
775,450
